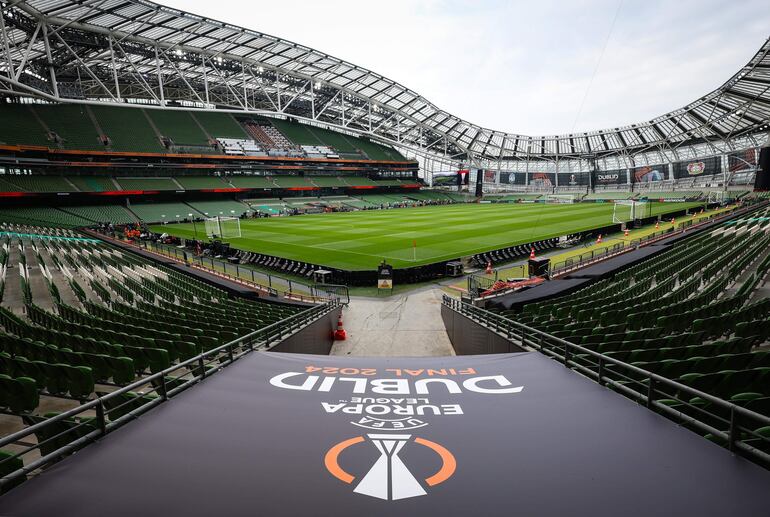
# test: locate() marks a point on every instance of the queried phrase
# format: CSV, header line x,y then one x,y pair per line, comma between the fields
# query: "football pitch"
x,y
361,240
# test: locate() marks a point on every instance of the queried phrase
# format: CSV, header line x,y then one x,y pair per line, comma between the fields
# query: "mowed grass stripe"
x,y
360,240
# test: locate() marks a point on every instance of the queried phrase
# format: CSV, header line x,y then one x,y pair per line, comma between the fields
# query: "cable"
x,y
596,68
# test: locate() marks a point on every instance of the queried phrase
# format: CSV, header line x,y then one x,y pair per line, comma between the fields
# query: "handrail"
x,y
260,339
575,357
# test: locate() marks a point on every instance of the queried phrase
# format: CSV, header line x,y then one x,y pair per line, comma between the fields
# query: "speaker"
x,y
539,266
762,179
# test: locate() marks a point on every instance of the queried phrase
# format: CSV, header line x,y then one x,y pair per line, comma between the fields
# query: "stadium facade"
x,y
139,52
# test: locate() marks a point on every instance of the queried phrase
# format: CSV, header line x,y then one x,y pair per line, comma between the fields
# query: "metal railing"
x,y
271,284
725,423
69,431
579,261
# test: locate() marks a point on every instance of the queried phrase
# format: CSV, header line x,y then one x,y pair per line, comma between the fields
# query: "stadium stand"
x,y
47,216
163,212
219,125
148,183
179,126
115,214
201,182
20,126
222,207
38,183
127,129
93,183
72,125
86,315
250,182
695,313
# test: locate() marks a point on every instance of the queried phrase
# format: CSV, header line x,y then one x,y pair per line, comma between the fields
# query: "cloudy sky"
x,y
531,67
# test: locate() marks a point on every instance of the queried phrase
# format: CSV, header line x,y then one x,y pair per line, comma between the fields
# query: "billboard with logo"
x,y
513,178
699,167
649,173
610,177
503,435
573,179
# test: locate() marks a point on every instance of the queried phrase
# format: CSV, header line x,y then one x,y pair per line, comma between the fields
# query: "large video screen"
x,y
542,179
649,173
699,167
742,160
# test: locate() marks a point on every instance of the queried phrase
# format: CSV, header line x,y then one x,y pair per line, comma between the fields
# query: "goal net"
x,y
717,196
624,211
223,227
559,198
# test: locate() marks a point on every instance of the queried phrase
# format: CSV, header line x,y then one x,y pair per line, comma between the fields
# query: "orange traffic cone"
x,y
657,225
489,268
625,233
599,239
532,254
340,334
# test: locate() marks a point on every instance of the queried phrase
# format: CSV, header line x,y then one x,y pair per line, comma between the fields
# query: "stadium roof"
x,y
113,50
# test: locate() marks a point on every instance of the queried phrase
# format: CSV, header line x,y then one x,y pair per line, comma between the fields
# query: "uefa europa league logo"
x,y
389,478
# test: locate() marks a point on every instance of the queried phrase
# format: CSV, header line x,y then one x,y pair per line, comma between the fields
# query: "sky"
x,y
539,67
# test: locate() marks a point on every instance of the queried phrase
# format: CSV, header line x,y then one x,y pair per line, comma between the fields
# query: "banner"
x,y
742,160
489,176
573,179
610,177
513,178
700,167
542,179
649,173
508,435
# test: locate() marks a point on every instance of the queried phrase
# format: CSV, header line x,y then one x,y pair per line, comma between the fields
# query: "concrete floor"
x,y
404,325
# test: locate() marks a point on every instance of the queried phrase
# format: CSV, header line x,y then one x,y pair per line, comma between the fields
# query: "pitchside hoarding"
x,y
699,167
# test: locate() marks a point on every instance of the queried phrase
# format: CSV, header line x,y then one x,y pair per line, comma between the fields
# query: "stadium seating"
x,y
127,129
44,216
201,182
179,126
93,183
73,126
164,212
219,125
86,315
115,214
250,182
20,126
694,313
38,183
221,207
148,183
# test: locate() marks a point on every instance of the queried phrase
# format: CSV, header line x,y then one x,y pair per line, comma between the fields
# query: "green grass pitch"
x,y
360,240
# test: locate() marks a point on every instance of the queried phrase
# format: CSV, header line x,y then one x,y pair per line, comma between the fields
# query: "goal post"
x,y
626,211
223,227
559,198
717,197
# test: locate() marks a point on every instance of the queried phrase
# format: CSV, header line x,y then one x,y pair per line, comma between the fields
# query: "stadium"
x,y
241,276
